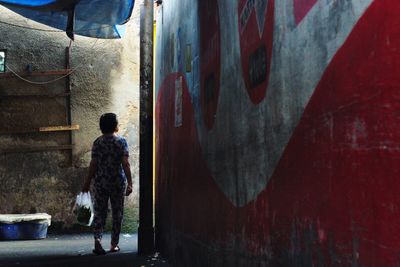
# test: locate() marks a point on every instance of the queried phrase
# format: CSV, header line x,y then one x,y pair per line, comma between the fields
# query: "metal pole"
x,y
146,226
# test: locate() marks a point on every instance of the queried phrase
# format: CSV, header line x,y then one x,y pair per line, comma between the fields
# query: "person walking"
x,y
110,170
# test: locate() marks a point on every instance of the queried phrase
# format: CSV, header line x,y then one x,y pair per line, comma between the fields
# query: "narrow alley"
x,y
205,133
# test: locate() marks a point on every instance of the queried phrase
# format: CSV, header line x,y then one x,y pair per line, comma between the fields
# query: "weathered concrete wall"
x,y
105,79
277,136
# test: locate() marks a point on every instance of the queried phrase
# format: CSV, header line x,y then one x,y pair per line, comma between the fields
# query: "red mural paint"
x,y
339,172
256,27
334,199
210,59
301,9
184,185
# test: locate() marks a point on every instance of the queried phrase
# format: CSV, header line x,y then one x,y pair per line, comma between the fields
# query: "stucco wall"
x,y
105,79
277,132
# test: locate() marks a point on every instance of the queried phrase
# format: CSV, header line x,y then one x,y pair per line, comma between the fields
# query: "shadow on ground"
x,y
73,250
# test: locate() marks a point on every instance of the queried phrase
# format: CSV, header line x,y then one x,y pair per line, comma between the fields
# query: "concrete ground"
x,y
74,250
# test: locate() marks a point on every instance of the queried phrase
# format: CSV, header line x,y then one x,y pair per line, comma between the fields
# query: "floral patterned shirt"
x,y
108,151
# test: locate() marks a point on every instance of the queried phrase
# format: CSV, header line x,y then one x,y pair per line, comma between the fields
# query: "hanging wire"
x,y
54,80
33,82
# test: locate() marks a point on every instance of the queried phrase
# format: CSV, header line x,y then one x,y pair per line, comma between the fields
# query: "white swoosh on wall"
x,y
247,140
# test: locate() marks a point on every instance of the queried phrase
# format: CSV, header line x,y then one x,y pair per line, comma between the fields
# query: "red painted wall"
x,y
334,197
301,8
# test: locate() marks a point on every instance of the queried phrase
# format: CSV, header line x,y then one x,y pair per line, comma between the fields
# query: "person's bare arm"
x,y
127,169
91,173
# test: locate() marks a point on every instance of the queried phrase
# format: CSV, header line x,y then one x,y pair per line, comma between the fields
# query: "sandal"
x,y
115,249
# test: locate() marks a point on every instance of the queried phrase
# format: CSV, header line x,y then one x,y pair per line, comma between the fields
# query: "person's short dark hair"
x,y
108,123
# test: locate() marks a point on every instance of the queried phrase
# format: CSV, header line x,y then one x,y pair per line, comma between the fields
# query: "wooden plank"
x,y
48,129
36,73
59,128
16,150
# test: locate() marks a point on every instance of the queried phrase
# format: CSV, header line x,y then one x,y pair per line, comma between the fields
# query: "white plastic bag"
x,y
84,209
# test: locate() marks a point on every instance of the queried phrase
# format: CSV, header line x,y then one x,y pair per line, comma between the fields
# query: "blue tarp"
x,y
34,3
93,18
